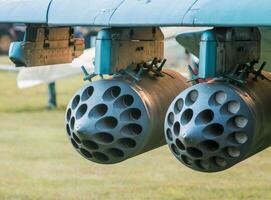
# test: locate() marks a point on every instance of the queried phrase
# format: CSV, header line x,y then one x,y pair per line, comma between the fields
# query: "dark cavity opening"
x,y
209,146
74,144
127,143
87,93
107,123
72,123
205,117
86,153
186,160
131,130
130,114
69,113
76,138
75,101
194,152
81,111
124,101
180,145
213,130
104,138
117,153
169,134
100,156
178,106
98,111
170,119
186,116
175,149
68,129
177,129
90,145
112,93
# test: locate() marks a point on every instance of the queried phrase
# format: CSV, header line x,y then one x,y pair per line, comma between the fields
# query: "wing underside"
x,y
137,12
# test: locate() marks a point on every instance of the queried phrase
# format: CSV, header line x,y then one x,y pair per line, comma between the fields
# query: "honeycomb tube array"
x,y
111,120
212,126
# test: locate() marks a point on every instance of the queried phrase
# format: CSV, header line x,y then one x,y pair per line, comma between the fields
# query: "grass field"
x,y
37,161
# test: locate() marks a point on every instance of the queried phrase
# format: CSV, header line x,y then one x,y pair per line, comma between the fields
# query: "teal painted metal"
x,y
229,13
191,42
161,13
16,53
103,53
132,13
120,48
207,56
24,11
151,12
83,12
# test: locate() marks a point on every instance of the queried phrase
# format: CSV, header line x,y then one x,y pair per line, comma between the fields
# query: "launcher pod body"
x,y
111,120
212,126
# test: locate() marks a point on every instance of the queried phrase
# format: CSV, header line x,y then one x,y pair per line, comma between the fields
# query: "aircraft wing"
x,y
137,12
24,11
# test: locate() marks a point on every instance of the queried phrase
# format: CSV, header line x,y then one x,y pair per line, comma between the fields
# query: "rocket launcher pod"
x,y
111,120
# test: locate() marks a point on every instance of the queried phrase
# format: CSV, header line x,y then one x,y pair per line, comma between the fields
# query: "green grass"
x,y
37,161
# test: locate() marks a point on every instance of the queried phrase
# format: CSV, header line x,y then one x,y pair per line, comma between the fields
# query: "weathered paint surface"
x,y
229,13
151,12
83,12
137,12
24,11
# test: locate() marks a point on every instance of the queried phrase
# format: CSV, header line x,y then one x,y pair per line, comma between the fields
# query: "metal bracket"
x,y
117,48
87,76
258,73
222,49
155,66
241,72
